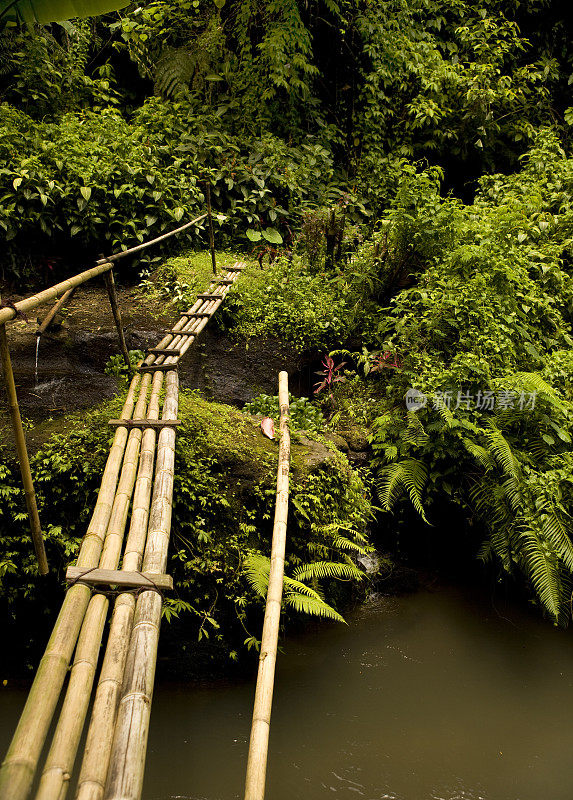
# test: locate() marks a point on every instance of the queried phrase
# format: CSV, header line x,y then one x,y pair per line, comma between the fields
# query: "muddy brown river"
x,y
441,695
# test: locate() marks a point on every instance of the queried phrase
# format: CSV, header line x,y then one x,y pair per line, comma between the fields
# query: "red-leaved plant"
x,y
330,376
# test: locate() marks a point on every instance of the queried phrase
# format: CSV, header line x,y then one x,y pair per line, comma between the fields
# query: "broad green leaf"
x,y
253,235
85,192
178,213
272,236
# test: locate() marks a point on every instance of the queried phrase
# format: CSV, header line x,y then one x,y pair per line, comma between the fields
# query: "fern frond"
x,y
481,455
173,72
502,451
257,569
319,570
415,433
310,605
410,475
543,570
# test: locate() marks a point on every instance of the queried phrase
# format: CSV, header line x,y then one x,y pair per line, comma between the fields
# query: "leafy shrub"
x,y
303,414
288,301
488,315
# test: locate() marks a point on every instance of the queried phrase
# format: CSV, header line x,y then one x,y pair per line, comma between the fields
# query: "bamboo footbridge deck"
x,y
136,488
121,567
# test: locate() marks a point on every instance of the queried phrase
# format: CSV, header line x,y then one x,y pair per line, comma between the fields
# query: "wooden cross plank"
x,y
156,367
235,269
115,577
210,296
226,281
181,333
196,314
145,423
164,351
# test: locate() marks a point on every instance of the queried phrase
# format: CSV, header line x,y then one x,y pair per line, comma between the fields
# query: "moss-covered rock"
x,y
225,482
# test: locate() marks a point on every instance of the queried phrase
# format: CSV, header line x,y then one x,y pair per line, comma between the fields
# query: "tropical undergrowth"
x,y
471,307
225,483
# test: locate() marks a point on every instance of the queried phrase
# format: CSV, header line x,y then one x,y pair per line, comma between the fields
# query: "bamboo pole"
x,y
139,247
210,224
22,451
19,767
52,313
61,757
116,311
259,742
30,303
127,762
91,782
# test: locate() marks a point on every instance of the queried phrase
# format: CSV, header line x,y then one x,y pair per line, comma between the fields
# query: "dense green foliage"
x,y
401,172
485,334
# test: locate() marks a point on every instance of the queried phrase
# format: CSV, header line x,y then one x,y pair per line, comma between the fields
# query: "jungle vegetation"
x,y
401,171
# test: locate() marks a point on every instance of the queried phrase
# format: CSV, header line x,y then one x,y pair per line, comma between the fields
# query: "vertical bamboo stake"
x,y
210,223
259,743
110,286
22,450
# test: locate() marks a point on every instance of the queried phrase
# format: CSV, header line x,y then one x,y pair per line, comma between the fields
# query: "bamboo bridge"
x,y
121,568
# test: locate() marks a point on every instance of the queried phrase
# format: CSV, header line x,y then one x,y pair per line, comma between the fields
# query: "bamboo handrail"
x,y
30,303
259,741
139,247
102,265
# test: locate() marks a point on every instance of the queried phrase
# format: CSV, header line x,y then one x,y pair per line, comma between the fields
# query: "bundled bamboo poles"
x,y
127,762
97,751
20,764
61,757
131,482
259,742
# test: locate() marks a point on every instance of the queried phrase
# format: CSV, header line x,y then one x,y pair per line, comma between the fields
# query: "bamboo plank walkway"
x,y
136,487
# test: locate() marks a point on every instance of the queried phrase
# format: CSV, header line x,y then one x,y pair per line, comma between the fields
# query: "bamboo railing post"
x,y
259,742
112,294
22,451
210,223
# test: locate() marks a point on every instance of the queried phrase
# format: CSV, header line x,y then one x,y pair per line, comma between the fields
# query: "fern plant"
x,y
297,594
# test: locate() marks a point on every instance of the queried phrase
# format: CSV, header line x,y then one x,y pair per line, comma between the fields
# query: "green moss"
x,y
224,498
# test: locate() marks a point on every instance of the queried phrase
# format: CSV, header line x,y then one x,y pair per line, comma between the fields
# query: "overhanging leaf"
x,y
44,11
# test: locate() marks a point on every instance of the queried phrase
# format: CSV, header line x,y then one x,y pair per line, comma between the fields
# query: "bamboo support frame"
x,y
52,313
259,741
115,310
129,473
22,451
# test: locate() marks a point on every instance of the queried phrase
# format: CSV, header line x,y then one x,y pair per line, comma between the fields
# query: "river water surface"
x,y
438,695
